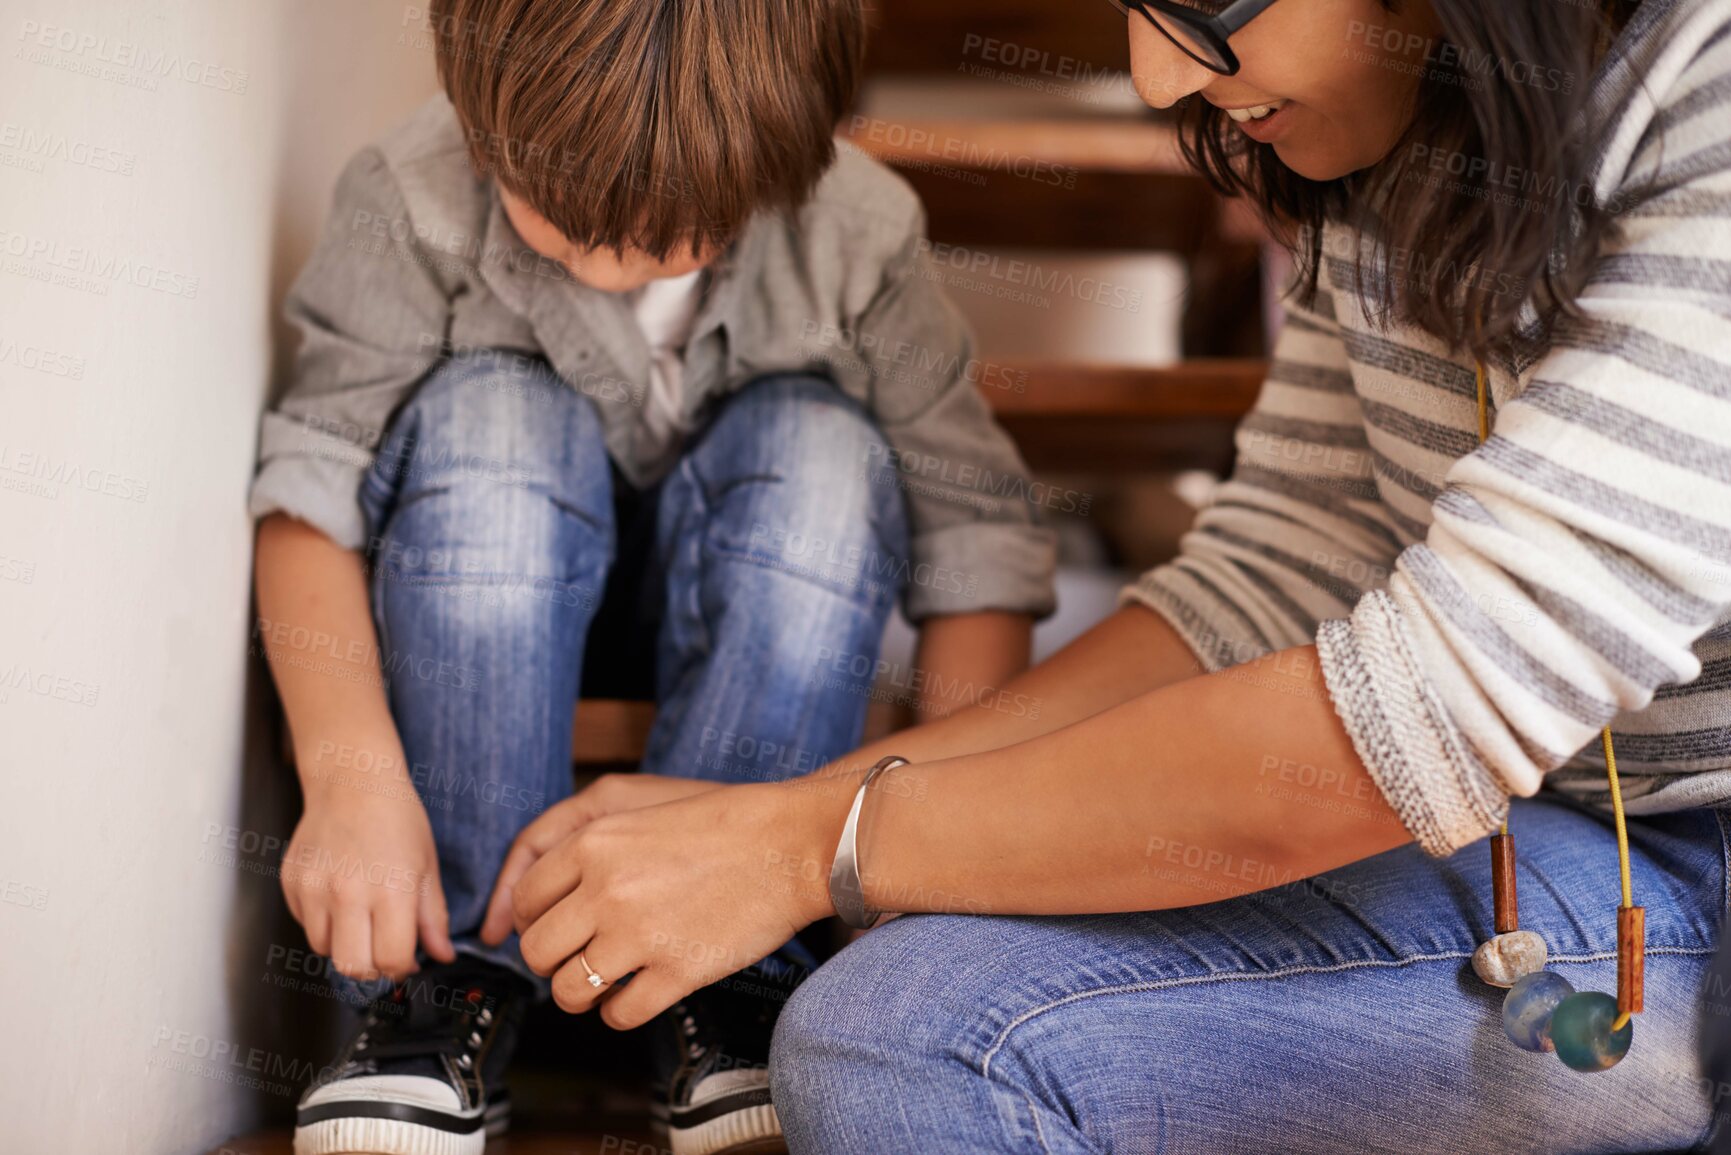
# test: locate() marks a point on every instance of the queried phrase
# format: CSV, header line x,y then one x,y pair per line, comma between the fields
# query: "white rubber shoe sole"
x,y
729,1114
748,1131
416,1130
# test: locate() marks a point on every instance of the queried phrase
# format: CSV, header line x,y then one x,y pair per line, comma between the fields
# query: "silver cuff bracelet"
x,y
846,891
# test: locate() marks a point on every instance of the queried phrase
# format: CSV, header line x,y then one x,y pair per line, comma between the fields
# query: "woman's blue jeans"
x,y
491,507
1337,1014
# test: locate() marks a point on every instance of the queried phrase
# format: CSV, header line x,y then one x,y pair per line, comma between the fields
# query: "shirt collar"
x,y
582,330
569,317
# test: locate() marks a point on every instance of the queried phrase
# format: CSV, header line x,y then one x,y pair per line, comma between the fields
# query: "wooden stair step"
x,y
1106,144
1089,185
1126,147
1082,210
610,730
919,36
1108,420
1218,388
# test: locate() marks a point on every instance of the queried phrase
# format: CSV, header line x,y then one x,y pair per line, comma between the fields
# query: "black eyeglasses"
x,y
1199,27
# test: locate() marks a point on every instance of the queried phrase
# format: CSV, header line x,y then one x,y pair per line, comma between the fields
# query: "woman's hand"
x,y
361,876
678,895
608,794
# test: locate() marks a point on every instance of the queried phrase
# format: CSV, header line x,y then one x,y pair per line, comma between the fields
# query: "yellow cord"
x,y
1484,408
1622,842
1622,827
1484,436
1605,735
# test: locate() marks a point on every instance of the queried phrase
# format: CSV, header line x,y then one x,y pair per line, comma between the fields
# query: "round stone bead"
x,y
1527,1009
1507,957
1581,1032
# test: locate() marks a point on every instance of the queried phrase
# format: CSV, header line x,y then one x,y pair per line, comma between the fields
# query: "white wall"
x,y
163,164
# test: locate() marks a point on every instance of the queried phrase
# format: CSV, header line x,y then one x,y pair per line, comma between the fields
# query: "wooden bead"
x,y
1503,883
1631,957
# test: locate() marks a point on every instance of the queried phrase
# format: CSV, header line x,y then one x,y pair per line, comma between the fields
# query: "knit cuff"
x,y
1444,795
1197,613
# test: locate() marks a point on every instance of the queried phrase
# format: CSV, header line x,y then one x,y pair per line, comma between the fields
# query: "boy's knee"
x,y
520,554
824,447
490,390
495,467
782,415
501,417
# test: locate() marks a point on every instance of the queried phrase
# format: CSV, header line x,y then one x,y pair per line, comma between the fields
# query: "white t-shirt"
x,y
666,311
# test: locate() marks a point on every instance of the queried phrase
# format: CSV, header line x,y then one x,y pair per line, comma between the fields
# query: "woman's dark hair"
x,y
1485,200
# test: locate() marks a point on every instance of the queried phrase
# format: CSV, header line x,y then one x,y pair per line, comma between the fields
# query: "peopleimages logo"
x,y
976,478
996,274
51,472
39,145
41,360
24,679
932,367
1469,62
129,54
91,269
1534,188
916,145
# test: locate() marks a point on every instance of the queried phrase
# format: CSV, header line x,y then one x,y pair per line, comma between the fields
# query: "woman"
x,y
1243,794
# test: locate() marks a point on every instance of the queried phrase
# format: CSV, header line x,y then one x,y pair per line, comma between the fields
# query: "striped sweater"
x,y
1480,612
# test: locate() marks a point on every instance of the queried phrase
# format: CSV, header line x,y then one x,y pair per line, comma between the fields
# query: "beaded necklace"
x,y
1588,1030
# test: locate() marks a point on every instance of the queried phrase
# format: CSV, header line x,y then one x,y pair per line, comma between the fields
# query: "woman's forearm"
x,y
317,632
1128,654
1205,789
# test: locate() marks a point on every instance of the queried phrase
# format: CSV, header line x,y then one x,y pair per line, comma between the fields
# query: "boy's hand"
x,y
608,794
361,876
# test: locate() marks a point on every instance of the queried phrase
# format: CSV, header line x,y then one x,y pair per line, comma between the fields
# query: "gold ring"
x,y
595,980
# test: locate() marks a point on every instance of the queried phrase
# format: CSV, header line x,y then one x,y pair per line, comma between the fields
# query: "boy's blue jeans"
x,y
491,511
1334,1014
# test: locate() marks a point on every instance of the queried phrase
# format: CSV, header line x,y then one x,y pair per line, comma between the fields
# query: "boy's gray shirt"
x,y
418,262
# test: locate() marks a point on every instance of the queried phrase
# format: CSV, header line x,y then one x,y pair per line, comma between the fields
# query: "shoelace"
x,y
427,1030
689,1030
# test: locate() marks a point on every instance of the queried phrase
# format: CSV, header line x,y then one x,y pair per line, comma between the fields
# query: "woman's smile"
x,y
1266,123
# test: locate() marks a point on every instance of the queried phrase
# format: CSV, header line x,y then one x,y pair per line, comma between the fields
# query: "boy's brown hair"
x,y
651,124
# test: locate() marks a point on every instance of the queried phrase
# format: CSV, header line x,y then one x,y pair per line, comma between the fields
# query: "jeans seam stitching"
x,y
488,578
698,510
1034,1115
536,488
1287,972
862,593
1724,819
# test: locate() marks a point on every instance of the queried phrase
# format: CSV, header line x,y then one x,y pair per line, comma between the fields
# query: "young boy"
x,y
612,372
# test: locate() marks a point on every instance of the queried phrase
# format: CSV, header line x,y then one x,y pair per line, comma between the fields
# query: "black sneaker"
x,y
713,1060
424,1075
